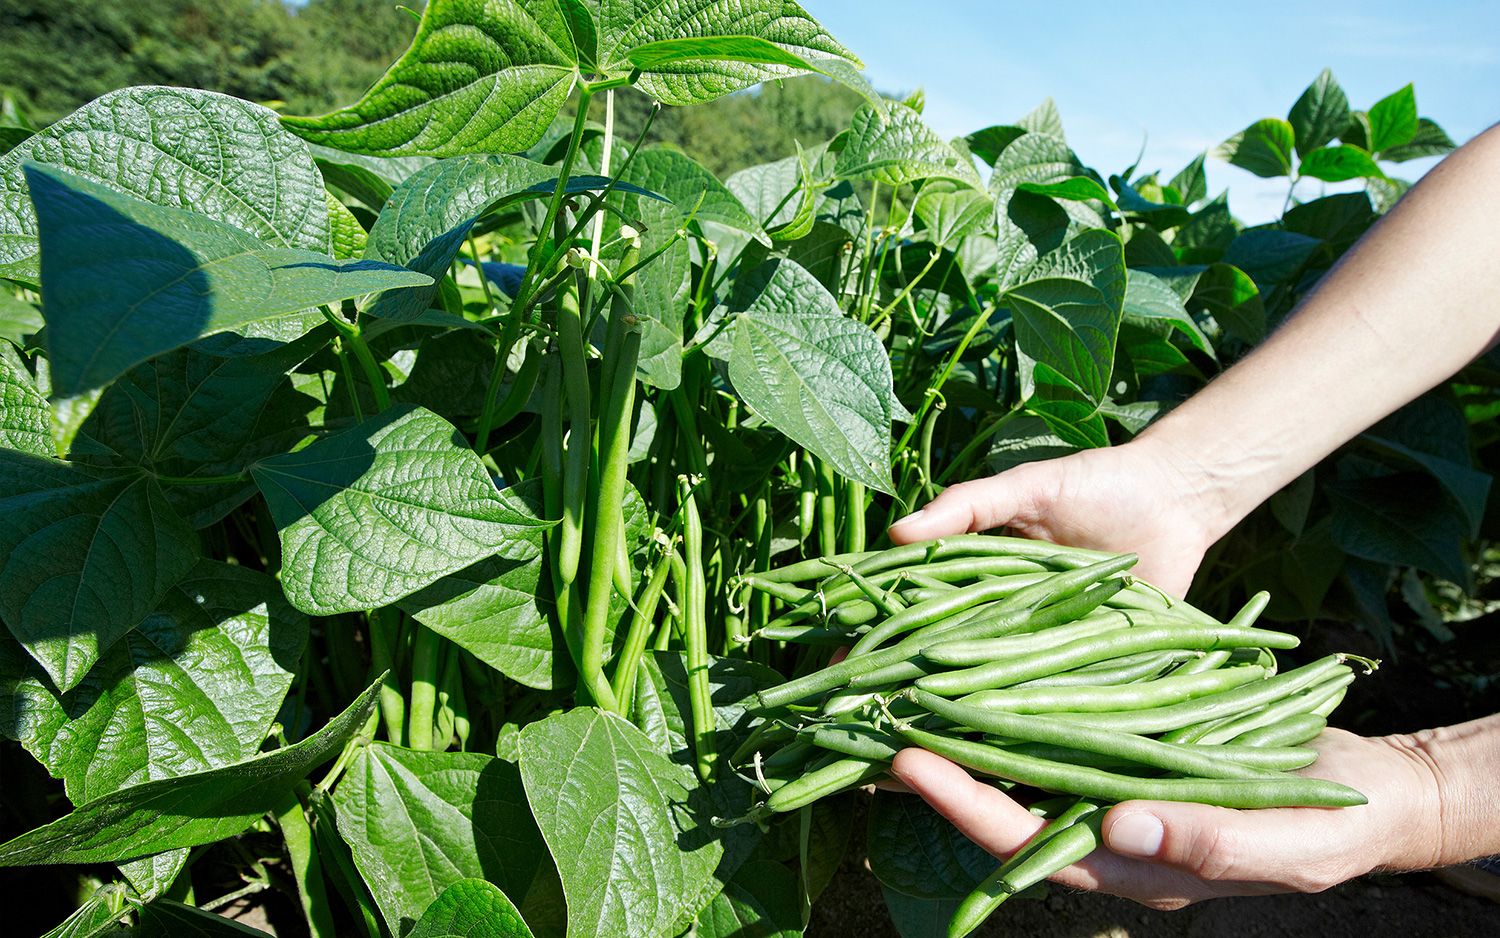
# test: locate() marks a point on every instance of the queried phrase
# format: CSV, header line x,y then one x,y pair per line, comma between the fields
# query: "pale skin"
x,y
1408,306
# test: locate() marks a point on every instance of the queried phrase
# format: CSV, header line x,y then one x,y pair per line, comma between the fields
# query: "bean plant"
x,y
381,486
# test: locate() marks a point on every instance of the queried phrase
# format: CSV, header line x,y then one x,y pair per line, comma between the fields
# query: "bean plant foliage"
x,y
379,482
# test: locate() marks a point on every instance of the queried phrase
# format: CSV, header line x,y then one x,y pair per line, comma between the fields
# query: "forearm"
x,y
1412,303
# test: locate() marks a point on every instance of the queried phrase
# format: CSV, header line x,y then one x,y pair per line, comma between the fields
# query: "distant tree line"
x,y
58,54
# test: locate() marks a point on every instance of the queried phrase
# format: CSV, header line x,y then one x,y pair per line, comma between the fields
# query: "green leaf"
x,y
1067,310
373,514
1269,255
1400,520
1264,148
89,557
371,179
349,235
209,409
100,914
123,280
819,377
1038,158
1336,220
494,608
25,418
1393,120
195,686
763,900
483,78
167,919
1043,119
1028,226
419,822
1229,295
177,147
188,810
1433,435
1077,189
471,908
426,219
919,918
918,852
1149,301
1160,215
613,811
1335,164
1429,140
1205,236
892,145
694,190
19,320
1025,439
1319,115
950,213
1192,182
989,143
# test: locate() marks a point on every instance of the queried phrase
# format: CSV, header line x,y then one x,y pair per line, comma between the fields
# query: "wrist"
x,y
1461,807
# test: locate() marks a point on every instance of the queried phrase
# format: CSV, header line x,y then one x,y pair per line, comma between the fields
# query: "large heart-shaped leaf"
x,y
123,280
816,375
195,686
892,145
373,514
614,813
488,78
178,147
950,212
1264,148
18,318
494,609
186,811
371,179
1038,158
419,822
1152,303
1319,115
87,557
918,852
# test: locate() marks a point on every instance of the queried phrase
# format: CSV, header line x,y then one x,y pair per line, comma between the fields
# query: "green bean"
x,y
1267,759
768,732
810,635
1056,587
814,569
964,653
695,631
1097,648
1228,704
1260,792
855,612
841,774
1122,670
1047,729
842,673
520,387
838,589
1063,842
580,436
1291,731
1110,697
807,513
1304,702
786,592
856,739
917,666
639,633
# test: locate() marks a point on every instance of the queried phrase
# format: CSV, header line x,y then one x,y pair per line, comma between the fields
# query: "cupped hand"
x,y
1121,499
1169,854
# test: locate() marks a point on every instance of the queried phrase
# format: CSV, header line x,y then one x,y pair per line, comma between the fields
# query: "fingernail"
x,y
1138,835
911,517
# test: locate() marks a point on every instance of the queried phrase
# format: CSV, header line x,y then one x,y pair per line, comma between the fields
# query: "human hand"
x,y
1167,854
1121,499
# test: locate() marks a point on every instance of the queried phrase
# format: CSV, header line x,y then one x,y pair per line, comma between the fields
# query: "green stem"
x,y
350,336
201,480
910,285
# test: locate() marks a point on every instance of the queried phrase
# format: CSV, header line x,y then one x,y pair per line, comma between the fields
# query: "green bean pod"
x,y
1203,709
856,739
1060,844
1122,670
1111,697
839,775
1189,760
1098,648
1291,731
1059,586
1259,792
960,653
1306,701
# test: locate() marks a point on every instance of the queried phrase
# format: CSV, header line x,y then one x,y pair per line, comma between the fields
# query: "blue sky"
x,y
1179,76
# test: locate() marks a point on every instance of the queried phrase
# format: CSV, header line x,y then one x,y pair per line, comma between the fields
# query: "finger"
x,y
1287,847
983,813
964,508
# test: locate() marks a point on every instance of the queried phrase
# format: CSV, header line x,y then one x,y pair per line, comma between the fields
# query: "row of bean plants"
x,y
376,488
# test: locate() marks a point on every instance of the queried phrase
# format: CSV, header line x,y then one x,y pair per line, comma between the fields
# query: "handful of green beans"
x,y
1040,666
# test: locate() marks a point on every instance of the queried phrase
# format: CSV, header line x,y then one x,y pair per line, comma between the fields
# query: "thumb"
x,y
967,507
1269,845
